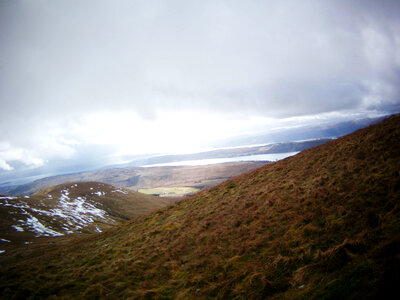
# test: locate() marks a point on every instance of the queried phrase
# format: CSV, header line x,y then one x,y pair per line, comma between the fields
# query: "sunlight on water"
x,y
211,161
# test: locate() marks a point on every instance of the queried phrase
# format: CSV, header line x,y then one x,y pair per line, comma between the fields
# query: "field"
x,y
177,191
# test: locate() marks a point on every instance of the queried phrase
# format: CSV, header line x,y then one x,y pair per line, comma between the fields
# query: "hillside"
x,y
69,208
324,224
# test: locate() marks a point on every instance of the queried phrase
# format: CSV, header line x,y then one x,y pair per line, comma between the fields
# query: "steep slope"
x,y
69,208
324,224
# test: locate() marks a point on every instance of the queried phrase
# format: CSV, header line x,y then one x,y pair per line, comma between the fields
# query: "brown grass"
x,y
324,224
120,204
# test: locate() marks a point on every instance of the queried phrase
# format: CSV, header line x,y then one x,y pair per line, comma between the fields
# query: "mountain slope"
x,y
324,224
69,208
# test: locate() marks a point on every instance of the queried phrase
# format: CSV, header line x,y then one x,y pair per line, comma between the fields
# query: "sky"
x,y
95,82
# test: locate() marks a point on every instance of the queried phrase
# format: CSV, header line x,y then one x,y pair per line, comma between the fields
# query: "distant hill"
x,y
138,178
324,224
271,148
329,130
198,177
70,208
291,139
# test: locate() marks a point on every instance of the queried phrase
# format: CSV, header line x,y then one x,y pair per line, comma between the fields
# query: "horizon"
x,y
90,84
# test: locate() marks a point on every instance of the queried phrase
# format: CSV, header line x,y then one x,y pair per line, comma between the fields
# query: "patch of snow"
x,y
67,230
20,204
42,212
91,189
31,223
17,228
50,196
65,193
2,251
27,243
8,197
26,197
4,240
75,214
99,194
79,207
120,191
34,224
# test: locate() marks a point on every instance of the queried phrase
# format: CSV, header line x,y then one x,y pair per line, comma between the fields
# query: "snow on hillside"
x,y
58,217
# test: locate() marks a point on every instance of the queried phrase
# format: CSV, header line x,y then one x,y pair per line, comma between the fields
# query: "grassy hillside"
x,y
118,202
324,224
69,208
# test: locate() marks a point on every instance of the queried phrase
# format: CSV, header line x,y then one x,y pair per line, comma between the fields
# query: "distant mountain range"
x,y
231,152
192,176
323,224
328,130
136,178
21,175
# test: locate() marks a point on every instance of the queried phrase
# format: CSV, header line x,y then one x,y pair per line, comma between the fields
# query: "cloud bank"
x,y
64,62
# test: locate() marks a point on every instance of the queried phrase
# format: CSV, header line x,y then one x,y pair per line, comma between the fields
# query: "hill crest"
x,y
68,208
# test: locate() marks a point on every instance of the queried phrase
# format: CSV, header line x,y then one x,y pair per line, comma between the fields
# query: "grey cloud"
x,y
67,56
62,59
86,157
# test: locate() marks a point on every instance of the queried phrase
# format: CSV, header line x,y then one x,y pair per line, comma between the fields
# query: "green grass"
x,y
169,191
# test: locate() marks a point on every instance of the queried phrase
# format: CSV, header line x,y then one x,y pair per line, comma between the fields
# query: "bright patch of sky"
x,y
169,132
84,83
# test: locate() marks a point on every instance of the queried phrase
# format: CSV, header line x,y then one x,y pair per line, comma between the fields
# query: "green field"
x,y
169,191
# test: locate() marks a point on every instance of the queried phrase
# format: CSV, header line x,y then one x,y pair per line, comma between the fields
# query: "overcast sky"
x,y
97,79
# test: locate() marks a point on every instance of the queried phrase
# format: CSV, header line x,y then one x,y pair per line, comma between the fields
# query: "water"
x,y
212,161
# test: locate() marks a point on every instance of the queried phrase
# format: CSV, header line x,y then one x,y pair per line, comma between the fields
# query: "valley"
x,y
192,171
135,178
323,224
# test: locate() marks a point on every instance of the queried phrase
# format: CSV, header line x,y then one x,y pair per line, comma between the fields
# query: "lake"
x,y
212,161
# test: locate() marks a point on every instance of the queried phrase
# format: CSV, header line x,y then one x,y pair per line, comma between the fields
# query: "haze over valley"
x,y
82,88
